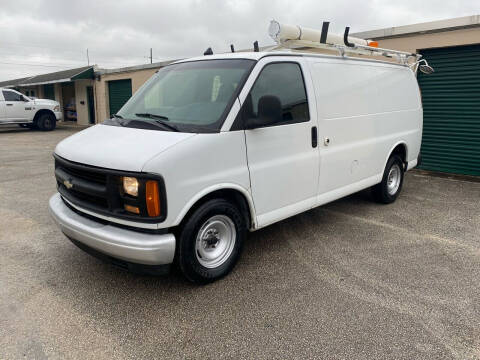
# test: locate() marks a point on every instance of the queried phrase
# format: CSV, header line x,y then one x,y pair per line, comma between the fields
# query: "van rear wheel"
x,y
211,241
388,190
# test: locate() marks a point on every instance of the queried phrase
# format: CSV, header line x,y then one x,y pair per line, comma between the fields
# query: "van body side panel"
x,y
364,109
199,165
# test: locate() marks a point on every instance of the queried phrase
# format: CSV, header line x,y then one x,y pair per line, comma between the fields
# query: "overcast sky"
x,y
44,36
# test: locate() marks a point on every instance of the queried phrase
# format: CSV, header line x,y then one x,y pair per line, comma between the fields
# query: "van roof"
x,y
261,54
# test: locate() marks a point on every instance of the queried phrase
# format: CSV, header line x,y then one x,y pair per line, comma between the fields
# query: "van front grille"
x,y
86,175
94,200
82,185
99,190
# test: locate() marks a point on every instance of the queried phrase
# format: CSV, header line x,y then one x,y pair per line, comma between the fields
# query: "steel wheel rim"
x,y
393,179
215,241
47,122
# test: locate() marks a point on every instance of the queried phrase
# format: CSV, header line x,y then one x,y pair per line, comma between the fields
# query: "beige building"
x,y
114,86
416,38
69,87
435,34
87,95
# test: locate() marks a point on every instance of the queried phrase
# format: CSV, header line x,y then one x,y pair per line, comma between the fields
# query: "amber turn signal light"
x,y
373,44
132,209
152,198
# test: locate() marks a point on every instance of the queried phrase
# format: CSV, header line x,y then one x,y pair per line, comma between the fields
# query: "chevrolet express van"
x,y
213,147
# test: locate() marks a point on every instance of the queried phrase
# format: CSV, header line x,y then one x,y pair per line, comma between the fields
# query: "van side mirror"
x,y
269,112
426,69
423,66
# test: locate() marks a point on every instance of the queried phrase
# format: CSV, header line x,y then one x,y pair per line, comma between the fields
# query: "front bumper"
x,y
58,115
128,245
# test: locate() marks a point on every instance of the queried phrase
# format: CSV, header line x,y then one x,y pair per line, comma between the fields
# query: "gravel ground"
x,y
350,280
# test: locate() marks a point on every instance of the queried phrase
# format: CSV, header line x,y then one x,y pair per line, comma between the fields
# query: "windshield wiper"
x,y
159,119
167,125
152,116
117,116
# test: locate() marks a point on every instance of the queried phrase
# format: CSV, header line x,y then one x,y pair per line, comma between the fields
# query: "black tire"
x,y
46,122
187,253
381,191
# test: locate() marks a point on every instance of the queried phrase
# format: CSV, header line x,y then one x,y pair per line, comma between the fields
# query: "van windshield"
x,y
189,97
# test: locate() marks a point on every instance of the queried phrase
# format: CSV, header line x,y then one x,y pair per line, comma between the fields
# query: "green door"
x,y
49,91
451,110
91,105
119,91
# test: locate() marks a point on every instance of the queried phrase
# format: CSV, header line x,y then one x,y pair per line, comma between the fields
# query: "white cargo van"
x,y
216,146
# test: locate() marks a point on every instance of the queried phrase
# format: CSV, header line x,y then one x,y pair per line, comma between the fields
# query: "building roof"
x,y
134,68
85,72
421,28
12,83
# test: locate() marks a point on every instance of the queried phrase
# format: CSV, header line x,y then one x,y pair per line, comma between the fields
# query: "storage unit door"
x,y
451,106
49,91
119,91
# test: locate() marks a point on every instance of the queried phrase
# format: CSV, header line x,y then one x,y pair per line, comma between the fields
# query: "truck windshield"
x,y
189,97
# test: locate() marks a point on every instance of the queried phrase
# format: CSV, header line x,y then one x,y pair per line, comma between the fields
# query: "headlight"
x,y
130,185
56,108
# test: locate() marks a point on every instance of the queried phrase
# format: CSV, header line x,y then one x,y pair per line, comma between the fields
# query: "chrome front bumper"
x,y
128,245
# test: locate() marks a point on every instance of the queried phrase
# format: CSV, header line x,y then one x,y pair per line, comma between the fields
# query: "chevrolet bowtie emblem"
x,y
67,184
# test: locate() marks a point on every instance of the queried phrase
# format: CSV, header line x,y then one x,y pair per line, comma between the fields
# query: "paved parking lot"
x,y
352,279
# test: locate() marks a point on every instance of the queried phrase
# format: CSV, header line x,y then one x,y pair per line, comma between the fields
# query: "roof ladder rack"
x,y
297,38
302,45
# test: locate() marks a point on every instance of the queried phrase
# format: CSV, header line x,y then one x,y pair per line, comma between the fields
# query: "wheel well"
x,y
41,112
400,150
234,196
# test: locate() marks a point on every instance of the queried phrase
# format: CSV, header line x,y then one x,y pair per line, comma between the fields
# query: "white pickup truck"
x,y
16,108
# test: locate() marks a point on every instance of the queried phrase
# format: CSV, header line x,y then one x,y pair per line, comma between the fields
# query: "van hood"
x,y
117,148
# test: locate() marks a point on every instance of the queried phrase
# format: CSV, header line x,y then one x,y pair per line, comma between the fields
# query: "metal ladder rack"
x,y
297,38
402,57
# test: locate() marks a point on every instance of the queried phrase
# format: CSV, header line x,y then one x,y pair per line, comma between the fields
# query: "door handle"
x,y
9,104
314,137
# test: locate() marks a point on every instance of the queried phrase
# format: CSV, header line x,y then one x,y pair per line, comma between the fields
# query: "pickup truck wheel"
x,y
388,190
46,122
211,241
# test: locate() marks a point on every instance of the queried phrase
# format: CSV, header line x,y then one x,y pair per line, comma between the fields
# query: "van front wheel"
x,y
388,190
211,241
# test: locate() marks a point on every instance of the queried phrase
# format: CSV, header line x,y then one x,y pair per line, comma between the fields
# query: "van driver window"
x,y
285,82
